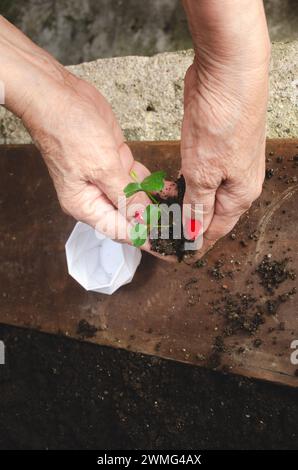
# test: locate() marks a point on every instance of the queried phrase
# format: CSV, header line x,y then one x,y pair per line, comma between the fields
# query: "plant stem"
x,y
152,198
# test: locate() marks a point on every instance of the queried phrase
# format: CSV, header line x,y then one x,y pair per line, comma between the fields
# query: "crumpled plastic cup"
x,y
98,263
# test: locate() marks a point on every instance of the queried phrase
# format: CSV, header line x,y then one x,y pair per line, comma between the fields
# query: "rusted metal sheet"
x,y
179,312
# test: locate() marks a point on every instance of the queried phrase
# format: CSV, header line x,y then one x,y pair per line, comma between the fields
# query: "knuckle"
x,y
257,191
64,206
251,195
199,200
213,235
205,177
245,203
244,198
71,208
208,206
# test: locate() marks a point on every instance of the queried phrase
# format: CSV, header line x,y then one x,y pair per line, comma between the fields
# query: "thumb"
x,y
128,207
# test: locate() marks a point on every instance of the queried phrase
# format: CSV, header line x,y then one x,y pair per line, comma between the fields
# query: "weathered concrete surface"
x,y
283,103
146,94
76,31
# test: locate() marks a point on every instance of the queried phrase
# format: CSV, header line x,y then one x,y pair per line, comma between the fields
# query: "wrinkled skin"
x,y
84,149
225,102
223,147
223,131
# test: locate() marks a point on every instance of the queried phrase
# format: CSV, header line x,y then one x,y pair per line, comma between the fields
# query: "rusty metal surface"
x,y
168,310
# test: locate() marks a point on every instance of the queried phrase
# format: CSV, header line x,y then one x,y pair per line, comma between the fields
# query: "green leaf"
x,y
154,182
138,234
152,214
131,189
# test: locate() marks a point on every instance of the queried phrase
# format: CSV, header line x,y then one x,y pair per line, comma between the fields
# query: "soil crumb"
x,y
241,314
86,330
272,273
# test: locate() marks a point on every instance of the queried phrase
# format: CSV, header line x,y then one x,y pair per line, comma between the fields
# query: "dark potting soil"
x,y
58,393
85,330
273,272
242,312
172,246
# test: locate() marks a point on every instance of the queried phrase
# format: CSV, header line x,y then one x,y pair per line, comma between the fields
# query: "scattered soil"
x,y
243,313
257,342
272,273
216,271
217,348
272,305
200,263
86,330
190,283
269,173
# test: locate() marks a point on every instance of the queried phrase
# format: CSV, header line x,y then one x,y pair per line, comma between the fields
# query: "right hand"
x,y
77,134
76,131
83,146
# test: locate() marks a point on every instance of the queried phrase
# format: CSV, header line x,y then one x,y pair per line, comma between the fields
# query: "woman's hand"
x,y
225,102
77,133
84,149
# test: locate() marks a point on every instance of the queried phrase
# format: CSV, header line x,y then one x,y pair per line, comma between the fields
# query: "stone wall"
x,y
146,94
76,31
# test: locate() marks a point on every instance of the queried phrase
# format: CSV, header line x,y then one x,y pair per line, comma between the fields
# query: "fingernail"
x,y
192,228
138,215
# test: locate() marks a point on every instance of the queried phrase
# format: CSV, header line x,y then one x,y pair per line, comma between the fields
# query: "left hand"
x,y
225,103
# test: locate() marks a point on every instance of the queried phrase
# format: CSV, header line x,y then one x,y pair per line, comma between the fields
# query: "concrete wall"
x,y
146,94
83,30
80,30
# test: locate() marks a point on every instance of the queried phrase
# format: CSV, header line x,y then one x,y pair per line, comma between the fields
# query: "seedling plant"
x,y
151,217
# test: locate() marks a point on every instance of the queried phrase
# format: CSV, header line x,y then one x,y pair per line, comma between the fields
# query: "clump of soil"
x,y
200,263
257,342
171,246
86,330
272,273
269,173
272,305
218,348
216,271
241,314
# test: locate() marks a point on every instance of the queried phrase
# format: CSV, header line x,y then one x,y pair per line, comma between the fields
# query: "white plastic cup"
x,y
98,263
